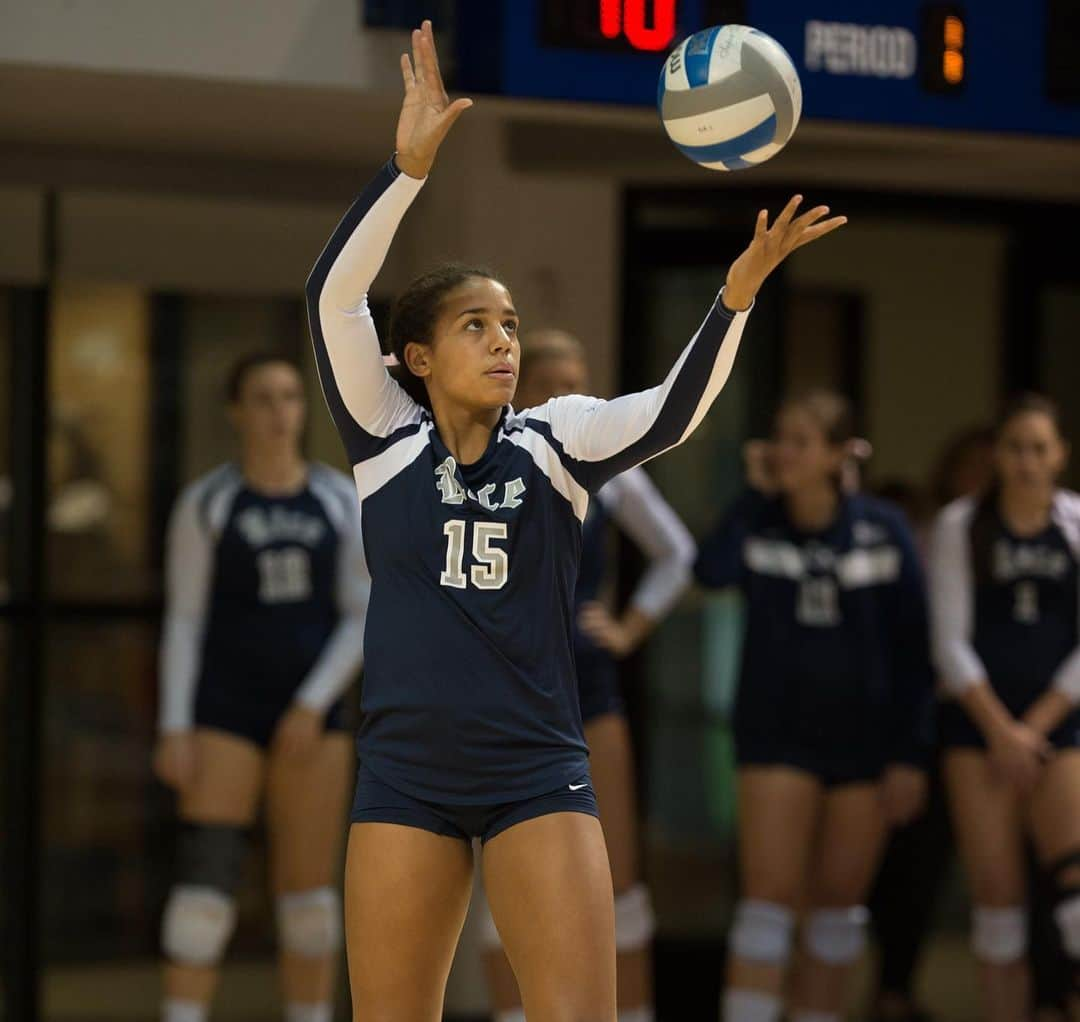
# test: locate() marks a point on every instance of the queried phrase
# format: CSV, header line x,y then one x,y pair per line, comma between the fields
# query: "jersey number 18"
x,y
284,575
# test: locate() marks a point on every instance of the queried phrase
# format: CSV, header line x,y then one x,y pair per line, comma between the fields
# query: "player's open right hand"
x,y
427,113
174,759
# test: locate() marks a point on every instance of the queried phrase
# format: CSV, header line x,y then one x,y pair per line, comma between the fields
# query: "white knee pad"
x,y
761,931
749,1006
999,935
1067,917
197,925
634,919
836,936
309,922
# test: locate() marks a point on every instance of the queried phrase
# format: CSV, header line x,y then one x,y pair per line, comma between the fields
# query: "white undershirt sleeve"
x,y
952,601
641,511
188,568
342,656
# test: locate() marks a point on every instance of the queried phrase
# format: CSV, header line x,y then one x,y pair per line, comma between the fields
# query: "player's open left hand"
x,y
426,113
771,246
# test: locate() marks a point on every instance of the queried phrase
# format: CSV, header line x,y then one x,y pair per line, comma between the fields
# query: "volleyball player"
x,y
265,598
553,365
472,525
1004,583
831,708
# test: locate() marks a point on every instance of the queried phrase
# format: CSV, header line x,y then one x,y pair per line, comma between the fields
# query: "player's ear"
x,y
417,359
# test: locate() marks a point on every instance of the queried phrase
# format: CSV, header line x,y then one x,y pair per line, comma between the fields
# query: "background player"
x,y
832,700
1004,590
472,524
265,598
552,365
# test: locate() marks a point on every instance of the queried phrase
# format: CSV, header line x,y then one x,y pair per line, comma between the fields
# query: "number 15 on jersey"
x,y
492,563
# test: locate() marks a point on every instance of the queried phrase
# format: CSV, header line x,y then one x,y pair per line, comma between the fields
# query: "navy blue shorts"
x,y
957,730
376,802
598,684
254,719
831,766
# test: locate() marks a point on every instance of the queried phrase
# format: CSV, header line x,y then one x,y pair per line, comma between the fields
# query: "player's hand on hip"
x,y
604,629
903,793
771,246
426,113
175,759
298,732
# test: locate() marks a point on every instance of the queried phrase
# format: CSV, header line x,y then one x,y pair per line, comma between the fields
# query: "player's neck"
x,y
465,432
1026,511
274,472
813,508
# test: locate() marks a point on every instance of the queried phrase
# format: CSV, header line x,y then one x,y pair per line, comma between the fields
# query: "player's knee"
x,y
197,925
634,919
749,1006
999,936
761,931
200,914
836,936
309,922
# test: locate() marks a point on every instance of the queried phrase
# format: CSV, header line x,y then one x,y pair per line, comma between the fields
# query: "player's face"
x,y
474,356
802,454
270,409
553,376
1030,454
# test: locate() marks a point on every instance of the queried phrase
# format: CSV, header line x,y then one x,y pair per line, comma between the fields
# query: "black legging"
x,y
906,890
1051,979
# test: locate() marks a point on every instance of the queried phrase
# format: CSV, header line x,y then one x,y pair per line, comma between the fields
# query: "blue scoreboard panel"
x,y
982,65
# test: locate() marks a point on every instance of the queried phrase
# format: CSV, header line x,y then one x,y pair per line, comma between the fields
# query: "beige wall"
x,y
305,42
932,329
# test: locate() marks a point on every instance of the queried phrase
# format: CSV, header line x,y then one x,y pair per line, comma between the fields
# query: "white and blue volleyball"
x,y
729,97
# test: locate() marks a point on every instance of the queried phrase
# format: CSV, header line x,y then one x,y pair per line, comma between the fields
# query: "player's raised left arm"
x,y
608,437
366,404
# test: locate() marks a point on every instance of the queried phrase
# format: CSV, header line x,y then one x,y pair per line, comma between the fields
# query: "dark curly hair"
x,y
414,314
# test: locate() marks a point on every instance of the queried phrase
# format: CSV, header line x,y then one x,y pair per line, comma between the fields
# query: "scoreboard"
x,y
982,65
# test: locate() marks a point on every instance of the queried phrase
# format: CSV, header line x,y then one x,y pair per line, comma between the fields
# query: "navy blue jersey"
x,y
265,596
1017,628
469,691
836,652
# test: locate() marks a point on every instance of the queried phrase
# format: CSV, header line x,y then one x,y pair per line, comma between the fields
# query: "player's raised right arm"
x,y
367,405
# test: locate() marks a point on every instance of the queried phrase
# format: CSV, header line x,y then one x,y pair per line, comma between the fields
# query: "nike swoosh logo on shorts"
x,y
578,787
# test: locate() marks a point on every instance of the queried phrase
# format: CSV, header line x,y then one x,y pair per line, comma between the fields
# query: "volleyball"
x,y
729,97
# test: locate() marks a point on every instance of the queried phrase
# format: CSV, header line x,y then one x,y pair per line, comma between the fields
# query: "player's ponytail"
x,y
414,314
984,520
